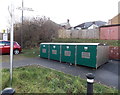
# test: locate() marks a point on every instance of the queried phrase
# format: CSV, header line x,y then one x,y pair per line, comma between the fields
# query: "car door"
x,y
1,47
6,47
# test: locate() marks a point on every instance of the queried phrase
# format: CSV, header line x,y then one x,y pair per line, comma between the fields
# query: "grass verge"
x,y
37,79
35,52
73,40
32,52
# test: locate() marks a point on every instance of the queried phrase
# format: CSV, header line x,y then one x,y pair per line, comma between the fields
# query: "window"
x,y
2,43
6,43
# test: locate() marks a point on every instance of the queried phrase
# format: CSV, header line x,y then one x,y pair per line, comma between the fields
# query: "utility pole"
x,y
22,25
27,9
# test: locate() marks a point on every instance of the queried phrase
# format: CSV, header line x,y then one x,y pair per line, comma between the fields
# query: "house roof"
x,y
66,25
63,24
86,25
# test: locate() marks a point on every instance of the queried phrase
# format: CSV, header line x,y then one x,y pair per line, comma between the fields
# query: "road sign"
x,y
5,36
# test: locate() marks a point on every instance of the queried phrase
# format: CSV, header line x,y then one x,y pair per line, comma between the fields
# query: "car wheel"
x,y
16,51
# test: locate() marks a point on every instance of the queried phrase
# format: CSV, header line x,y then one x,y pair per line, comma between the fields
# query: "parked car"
x,y
5,47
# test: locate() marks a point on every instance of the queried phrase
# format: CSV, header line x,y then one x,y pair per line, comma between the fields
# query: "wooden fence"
x,y
84,34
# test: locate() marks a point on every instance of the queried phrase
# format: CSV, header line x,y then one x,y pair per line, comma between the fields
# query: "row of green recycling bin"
x,y
86,54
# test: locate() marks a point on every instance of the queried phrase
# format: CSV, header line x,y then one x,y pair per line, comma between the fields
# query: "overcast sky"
x,y
77,11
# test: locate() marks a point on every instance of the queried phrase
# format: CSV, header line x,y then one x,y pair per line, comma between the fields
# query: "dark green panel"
x,y
44,48
68,53
86,55
55,52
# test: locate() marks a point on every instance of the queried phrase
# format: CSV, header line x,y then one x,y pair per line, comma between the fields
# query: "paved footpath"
x,y
106,74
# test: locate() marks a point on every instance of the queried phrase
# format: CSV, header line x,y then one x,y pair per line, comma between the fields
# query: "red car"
x,y
5,47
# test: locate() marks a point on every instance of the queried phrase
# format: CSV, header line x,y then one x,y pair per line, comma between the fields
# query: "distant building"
x,y
90,25
110,32
66,25
114,20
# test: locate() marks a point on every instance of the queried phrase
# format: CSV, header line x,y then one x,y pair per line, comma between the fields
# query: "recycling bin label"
x,y
44,50
54,51
86,55
67,53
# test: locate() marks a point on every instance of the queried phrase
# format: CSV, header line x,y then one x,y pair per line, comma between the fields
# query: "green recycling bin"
x,y
86,54
68,53
55,51
44,50
92,54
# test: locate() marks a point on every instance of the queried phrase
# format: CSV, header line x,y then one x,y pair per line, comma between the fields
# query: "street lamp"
x,y
10,90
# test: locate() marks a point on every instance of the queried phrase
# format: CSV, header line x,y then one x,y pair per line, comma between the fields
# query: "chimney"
x,y
68,20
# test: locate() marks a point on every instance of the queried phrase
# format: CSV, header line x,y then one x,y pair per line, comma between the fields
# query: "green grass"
x,y
73,40
37,79
32,52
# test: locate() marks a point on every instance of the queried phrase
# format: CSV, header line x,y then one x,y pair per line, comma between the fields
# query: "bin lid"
x,y
74,43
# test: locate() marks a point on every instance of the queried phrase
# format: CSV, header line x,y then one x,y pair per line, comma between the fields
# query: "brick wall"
x,y
114,52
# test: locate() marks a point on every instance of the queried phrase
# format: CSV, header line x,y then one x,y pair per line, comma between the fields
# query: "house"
x,y
66,25
90,25
114,20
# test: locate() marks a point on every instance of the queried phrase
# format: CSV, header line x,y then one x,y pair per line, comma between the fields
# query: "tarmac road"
x,y
106,74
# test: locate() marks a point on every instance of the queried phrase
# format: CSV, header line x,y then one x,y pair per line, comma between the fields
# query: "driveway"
x,y
106,74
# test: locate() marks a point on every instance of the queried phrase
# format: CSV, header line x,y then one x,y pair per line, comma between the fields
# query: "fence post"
x,y
90,81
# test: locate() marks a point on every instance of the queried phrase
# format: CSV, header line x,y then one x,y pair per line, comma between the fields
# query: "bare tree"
x,y
36,30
